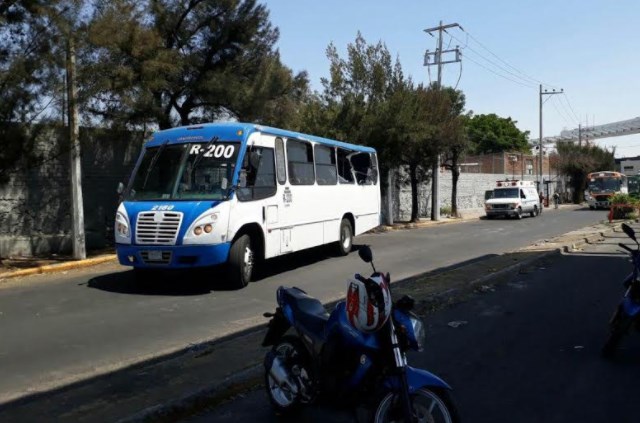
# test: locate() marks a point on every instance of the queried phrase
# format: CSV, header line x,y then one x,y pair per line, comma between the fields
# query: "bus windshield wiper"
x,y
154,159
199,156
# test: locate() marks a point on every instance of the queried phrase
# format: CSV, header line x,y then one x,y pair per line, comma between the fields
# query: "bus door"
x,y
257,189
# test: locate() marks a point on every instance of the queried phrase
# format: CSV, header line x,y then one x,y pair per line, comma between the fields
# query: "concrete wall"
x,y
471,188
35,204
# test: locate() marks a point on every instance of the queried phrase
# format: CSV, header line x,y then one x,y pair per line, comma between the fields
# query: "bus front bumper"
x,y
172,256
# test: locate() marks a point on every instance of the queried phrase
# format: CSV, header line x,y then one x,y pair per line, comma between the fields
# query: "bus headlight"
x,y
122,231
205,224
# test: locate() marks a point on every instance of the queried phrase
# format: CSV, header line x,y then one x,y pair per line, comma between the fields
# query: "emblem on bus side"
x,y
287,197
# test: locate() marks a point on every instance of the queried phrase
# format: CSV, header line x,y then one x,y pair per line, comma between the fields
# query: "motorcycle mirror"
x,y
365,254
629,231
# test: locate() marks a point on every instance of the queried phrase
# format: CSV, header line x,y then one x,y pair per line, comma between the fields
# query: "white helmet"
x,y
368,302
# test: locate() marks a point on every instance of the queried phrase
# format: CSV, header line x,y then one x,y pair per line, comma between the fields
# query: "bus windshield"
x,y
604,184
185,172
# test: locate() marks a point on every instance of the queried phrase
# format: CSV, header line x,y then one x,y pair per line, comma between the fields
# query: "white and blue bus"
x,y
238,193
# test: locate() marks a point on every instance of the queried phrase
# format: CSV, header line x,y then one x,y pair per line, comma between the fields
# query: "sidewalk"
x,y
201,376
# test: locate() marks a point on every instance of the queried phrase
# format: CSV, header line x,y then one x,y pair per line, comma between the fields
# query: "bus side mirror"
x,y
120,188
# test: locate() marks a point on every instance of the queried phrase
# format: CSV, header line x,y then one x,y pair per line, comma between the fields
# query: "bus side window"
x,y
259,175
281,165
345,173
325,165
300,162
363,169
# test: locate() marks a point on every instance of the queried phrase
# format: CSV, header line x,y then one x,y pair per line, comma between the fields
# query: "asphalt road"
x,y
55,329
528,352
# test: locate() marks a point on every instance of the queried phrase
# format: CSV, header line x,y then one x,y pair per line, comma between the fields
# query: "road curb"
x,y
58,267
251,376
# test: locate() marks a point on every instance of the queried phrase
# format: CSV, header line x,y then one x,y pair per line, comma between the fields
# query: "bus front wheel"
x,y
343,246
241,262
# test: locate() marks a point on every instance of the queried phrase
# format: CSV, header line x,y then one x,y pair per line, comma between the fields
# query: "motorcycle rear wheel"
x,y
620,325
429,406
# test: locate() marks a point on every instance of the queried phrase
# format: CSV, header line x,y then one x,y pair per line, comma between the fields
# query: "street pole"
x,y
435,179
541,93
540,143
77,212
579,135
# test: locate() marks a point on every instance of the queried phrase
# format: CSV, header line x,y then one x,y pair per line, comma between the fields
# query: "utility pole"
x,y
579,135
545,92
77,215
435,180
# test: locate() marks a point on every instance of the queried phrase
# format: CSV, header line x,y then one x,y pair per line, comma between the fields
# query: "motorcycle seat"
x,y
308,312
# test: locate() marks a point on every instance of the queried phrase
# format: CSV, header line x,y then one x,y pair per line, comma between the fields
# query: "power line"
x,y
459,76
560,113
498,74
497,65
566,110
506,63
566,97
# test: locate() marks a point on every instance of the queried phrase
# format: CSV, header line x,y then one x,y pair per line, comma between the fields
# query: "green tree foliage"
x,y
455,139
367,100
577,161
170,62
494,134
26,63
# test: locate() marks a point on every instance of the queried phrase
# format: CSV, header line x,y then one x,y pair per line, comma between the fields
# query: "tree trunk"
x,y
578,185
455,175
413,174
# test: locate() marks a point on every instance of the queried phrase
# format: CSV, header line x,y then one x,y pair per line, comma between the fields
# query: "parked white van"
x,y
513,199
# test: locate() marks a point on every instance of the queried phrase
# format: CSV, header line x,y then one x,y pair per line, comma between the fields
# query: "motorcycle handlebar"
x,y
625,247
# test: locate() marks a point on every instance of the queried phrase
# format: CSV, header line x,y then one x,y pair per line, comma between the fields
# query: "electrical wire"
x,y
566,97
498,74
459,76
506,63
497,65
553,103
566,110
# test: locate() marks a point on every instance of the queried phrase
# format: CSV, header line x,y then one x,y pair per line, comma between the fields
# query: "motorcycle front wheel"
x,y
294,356
428,406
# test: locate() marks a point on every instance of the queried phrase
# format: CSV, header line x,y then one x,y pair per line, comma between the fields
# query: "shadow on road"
x,y
201,281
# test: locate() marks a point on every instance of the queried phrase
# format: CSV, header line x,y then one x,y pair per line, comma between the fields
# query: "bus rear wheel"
x,y
343,246
241,262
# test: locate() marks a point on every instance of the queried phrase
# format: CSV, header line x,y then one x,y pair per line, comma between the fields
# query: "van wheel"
x,y
241,262
343,246
534,213
519,215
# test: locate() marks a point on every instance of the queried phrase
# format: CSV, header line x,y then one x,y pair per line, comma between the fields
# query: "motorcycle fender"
x,y
630,307
278,326
418,378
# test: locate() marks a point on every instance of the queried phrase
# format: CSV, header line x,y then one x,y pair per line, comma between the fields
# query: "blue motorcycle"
x,y
627,312
320,356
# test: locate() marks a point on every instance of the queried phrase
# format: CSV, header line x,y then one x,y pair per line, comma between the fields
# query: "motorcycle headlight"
x,y
419,334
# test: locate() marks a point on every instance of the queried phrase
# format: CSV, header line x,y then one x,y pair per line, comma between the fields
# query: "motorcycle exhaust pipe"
x,y
280,374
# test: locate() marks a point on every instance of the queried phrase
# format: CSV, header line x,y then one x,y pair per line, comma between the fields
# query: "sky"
x,y
587,47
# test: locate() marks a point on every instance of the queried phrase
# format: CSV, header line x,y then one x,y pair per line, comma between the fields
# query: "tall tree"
x,y
171,62
577,161
494,134
456,141
27,77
